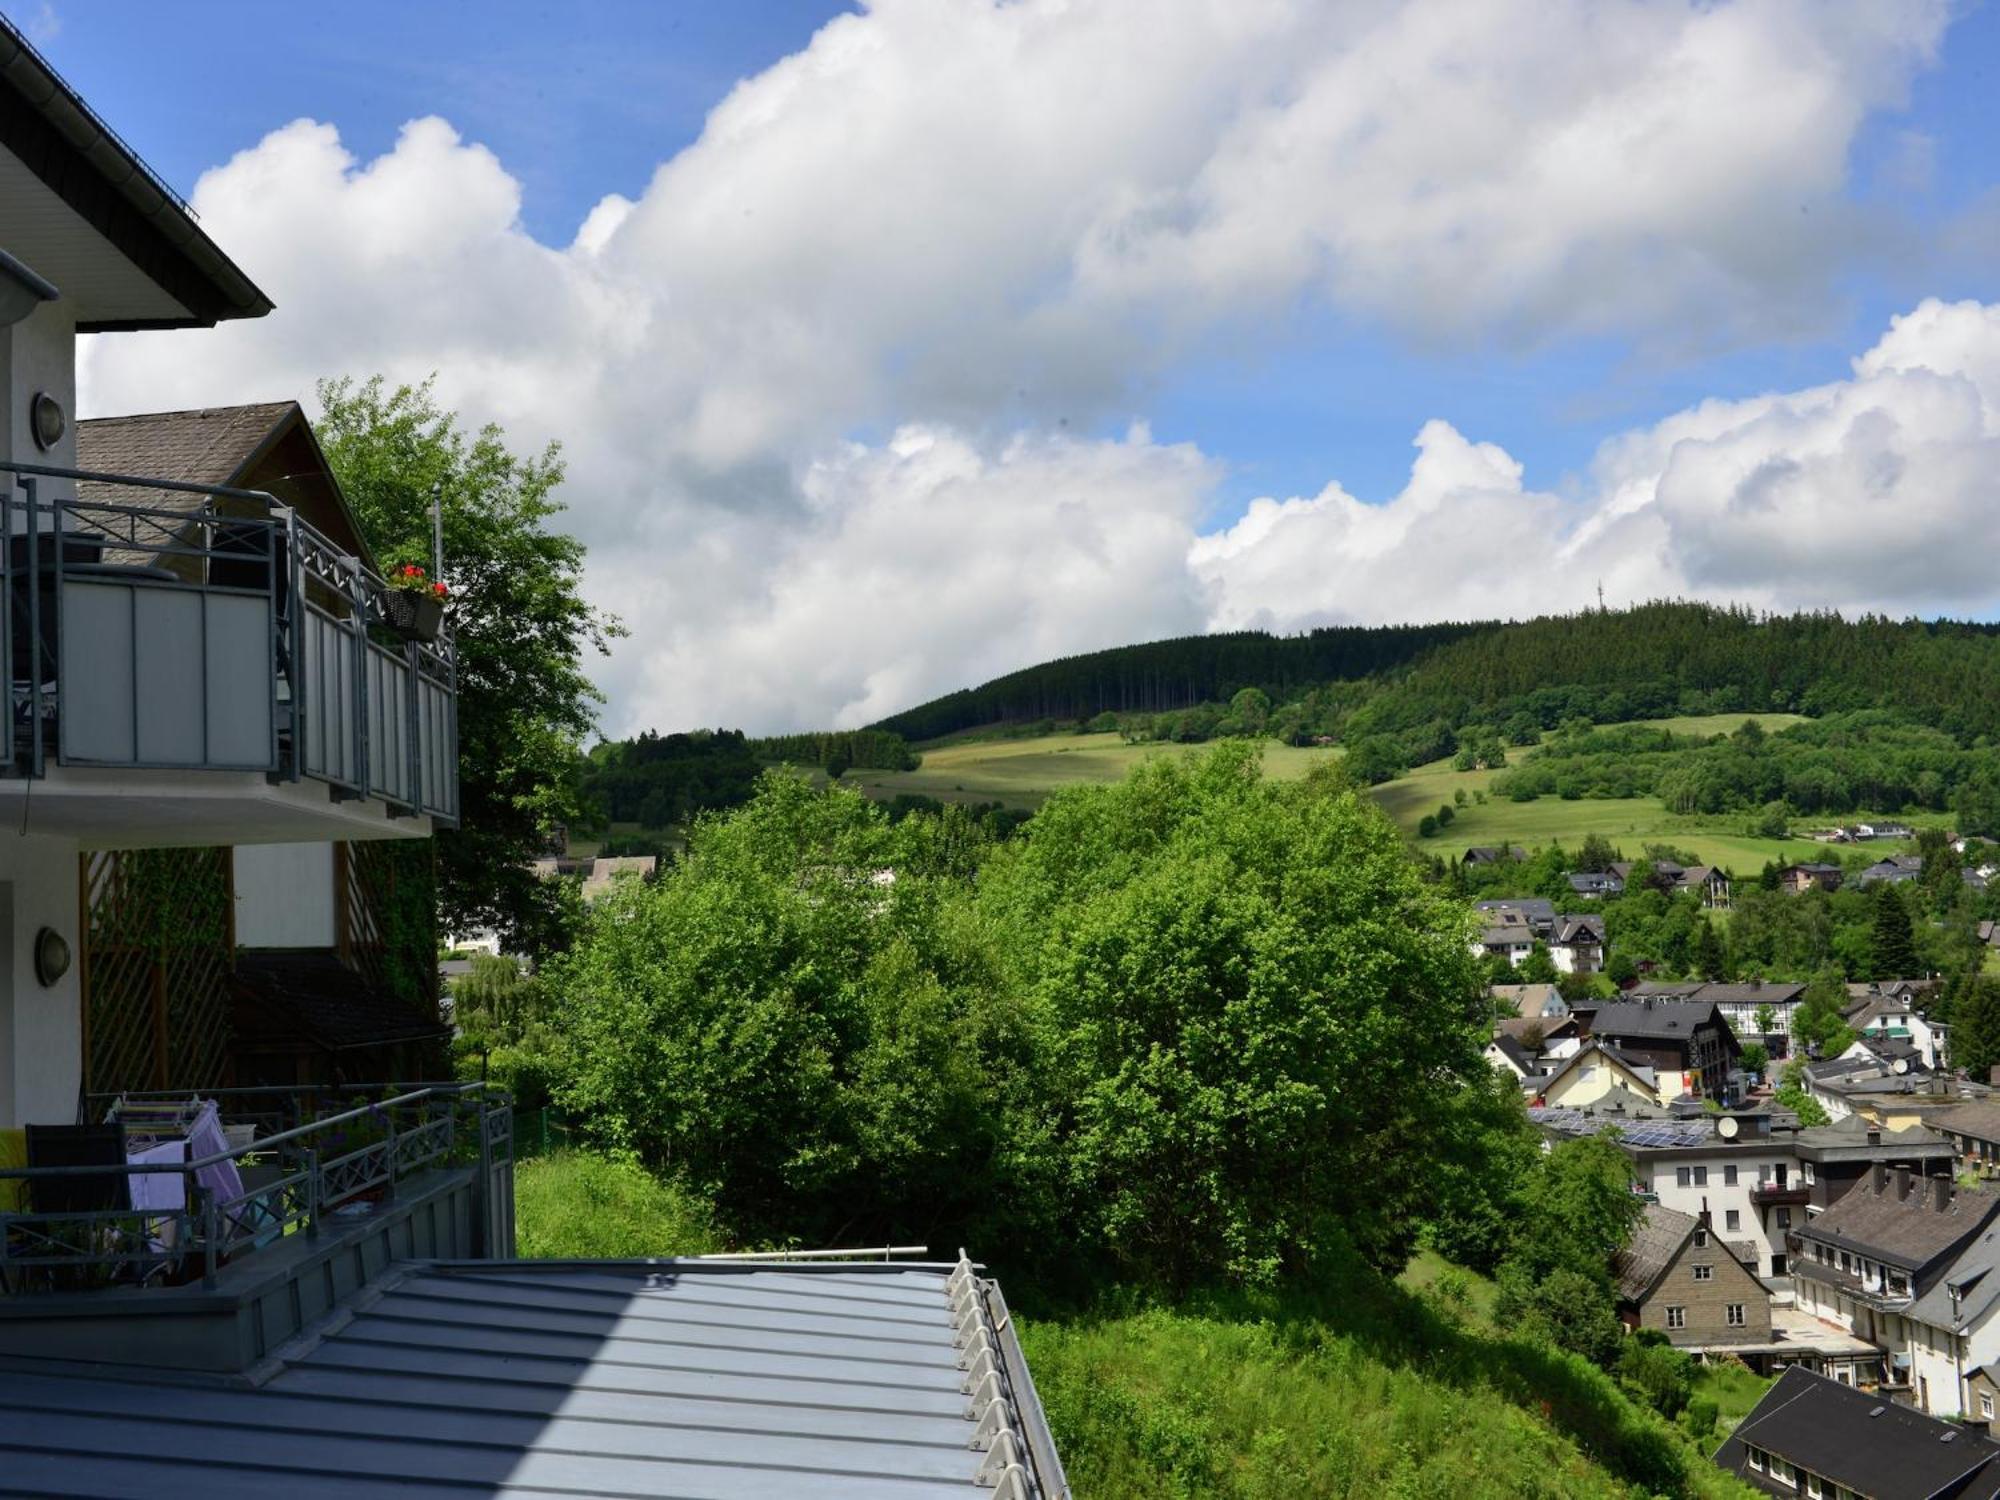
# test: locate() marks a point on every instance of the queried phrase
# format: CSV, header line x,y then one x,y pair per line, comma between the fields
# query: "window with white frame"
x,y
1732,1219
1683,1177
1704,1273
1701,1176
1986,1405
1729,1175
1701,1239
1756,1458
1677,1317
1736,1318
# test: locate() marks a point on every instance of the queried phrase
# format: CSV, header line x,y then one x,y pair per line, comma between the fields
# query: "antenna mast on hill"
x,y
1600,597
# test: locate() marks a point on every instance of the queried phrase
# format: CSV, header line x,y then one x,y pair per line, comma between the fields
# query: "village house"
x,y
1800,878
1745,1005
1598,884
1821,1439
1535,913
1504,940
1577,944
1482,854
1594,1073
226,726
1544,1000
1687,1042
1675,1277
1897,869
1865,1262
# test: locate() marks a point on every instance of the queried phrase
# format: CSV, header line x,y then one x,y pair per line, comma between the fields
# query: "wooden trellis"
x,y
159,941
394,954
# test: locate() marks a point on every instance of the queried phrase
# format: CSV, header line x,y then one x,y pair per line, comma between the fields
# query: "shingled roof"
x,y
1859,1439
1656,1239
1911,1232
211,445
1671,1020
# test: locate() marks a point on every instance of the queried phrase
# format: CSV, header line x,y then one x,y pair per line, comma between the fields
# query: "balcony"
x,y
1792,1192
211,630
265,1208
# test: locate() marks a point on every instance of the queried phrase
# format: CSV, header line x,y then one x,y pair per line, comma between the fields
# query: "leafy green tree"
x,y
1219,965
518,615
1251,708
1756,1058
1538,967
1597,855
1817,1023
1767,1019
1894,945
1427,826
1791,1094
1577,1210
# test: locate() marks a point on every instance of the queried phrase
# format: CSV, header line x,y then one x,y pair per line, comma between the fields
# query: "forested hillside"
x,y
1162,675
1650,661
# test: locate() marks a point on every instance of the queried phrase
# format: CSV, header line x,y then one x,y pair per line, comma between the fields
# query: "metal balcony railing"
x,y
213,630
85,1227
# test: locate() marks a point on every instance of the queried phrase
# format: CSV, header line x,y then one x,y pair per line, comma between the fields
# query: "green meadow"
x,y
1022,772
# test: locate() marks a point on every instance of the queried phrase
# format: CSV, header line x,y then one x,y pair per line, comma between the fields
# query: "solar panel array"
x,y
1632,1132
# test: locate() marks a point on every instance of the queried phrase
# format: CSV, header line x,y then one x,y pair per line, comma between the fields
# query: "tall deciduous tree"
x,y
522,627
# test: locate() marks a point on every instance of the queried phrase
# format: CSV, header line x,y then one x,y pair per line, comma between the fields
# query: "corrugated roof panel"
x,y
745,1383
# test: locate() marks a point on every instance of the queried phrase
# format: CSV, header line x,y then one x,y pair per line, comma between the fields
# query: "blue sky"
x,y
584,99
1278,375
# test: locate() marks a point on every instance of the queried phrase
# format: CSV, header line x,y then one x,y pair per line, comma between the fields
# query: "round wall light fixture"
x,y
51,956
47,418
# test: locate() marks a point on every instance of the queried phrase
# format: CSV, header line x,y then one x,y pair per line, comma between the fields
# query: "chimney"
x,y
1902,1183
1879,1176
1941,1193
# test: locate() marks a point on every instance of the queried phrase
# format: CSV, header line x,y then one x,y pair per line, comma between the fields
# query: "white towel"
x,y
159,1192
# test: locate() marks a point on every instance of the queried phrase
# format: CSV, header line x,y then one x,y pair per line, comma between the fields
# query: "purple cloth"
x,y
205,1138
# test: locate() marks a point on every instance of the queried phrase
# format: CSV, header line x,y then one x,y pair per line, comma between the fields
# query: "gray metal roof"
x,y
683,1379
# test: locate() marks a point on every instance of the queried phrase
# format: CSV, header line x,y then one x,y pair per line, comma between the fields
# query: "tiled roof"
x,y
516,1379
1656,1239
1859,1439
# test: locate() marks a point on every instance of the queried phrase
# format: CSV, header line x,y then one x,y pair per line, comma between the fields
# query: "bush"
x,y
576,1205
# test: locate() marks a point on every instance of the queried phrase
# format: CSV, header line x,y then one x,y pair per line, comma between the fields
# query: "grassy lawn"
x,y
1733,1389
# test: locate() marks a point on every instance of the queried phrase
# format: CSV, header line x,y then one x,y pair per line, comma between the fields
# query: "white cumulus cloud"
x,y
821,381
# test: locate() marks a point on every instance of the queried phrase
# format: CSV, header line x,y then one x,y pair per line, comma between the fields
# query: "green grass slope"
x,y
1365,1391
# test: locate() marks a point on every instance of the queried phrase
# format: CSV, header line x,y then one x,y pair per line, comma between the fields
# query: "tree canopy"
x,y
1195,1025
517,612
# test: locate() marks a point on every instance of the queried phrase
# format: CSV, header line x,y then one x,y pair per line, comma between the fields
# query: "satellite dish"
x,y
1900,1065
1726,1127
